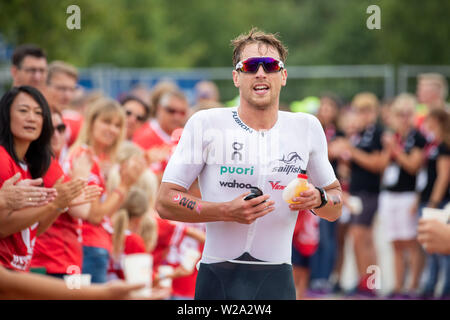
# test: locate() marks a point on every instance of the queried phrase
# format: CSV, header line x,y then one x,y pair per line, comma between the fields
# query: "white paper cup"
x,y
436,214
164,273
355,204
137,269
77,281
189,259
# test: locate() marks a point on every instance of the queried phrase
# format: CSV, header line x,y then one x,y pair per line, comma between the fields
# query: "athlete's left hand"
x,y
308,199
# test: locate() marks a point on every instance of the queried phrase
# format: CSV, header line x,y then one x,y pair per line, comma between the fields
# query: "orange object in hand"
x,y
295,187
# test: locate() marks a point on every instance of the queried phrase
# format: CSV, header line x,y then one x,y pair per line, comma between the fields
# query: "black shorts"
x,y
370,206
240,281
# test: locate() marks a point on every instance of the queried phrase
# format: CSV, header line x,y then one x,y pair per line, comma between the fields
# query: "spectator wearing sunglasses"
x,y
171,113
58,141
58,249
158,91
136,111
248,248
29,67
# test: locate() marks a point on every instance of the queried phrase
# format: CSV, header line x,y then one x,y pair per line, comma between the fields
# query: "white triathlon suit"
x,y
228,157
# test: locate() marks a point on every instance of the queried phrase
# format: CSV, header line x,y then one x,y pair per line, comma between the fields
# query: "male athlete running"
x,y
247,253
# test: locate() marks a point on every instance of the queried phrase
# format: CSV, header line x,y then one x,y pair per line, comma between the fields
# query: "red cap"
x,y
302,176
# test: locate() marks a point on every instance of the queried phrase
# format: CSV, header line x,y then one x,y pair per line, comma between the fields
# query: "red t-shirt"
x,y
169,234
16,250
185,286
133,244
59,247
99,236
73,120
149,136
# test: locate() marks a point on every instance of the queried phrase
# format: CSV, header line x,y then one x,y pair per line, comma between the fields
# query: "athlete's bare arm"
x,y
174,203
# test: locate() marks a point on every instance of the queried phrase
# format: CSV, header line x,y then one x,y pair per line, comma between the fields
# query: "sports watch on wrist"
x,y
323,198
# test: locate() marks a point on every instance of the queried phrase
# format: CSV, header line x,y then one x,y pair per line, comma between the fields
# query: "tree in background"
x,y
197,33
177,33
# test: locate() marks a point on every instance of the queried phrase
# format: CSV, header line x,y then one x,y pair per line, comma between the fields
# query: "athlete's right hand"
x,y
247,211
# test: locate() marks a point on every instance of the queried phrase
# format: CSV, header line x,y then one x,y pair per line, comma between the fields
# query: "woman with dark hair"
x,y
32,140
25,132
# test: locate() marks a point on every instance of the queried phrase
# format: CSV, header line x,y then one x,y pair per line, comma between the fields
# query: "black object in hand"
x,y
254,192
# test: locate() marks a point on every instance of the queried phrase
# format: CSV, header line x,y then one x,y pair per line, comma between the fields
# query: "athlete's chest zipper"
x,y
262,162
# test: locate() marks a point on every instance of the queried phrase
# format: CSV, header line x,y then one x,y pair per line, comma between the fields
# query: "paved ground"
x,y
384,262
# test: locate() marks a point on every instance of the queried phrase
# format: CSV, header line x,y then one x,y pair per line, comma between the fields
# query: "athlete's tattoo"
x,y
186,202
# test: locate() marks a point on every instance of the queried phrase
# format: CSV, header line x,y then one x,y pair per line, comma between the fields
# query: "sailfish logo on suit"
x,y
291,158
290,164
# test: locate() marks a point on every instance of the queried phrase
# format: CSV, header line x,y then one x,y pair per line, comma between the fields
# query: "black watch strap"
x,y
323,198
